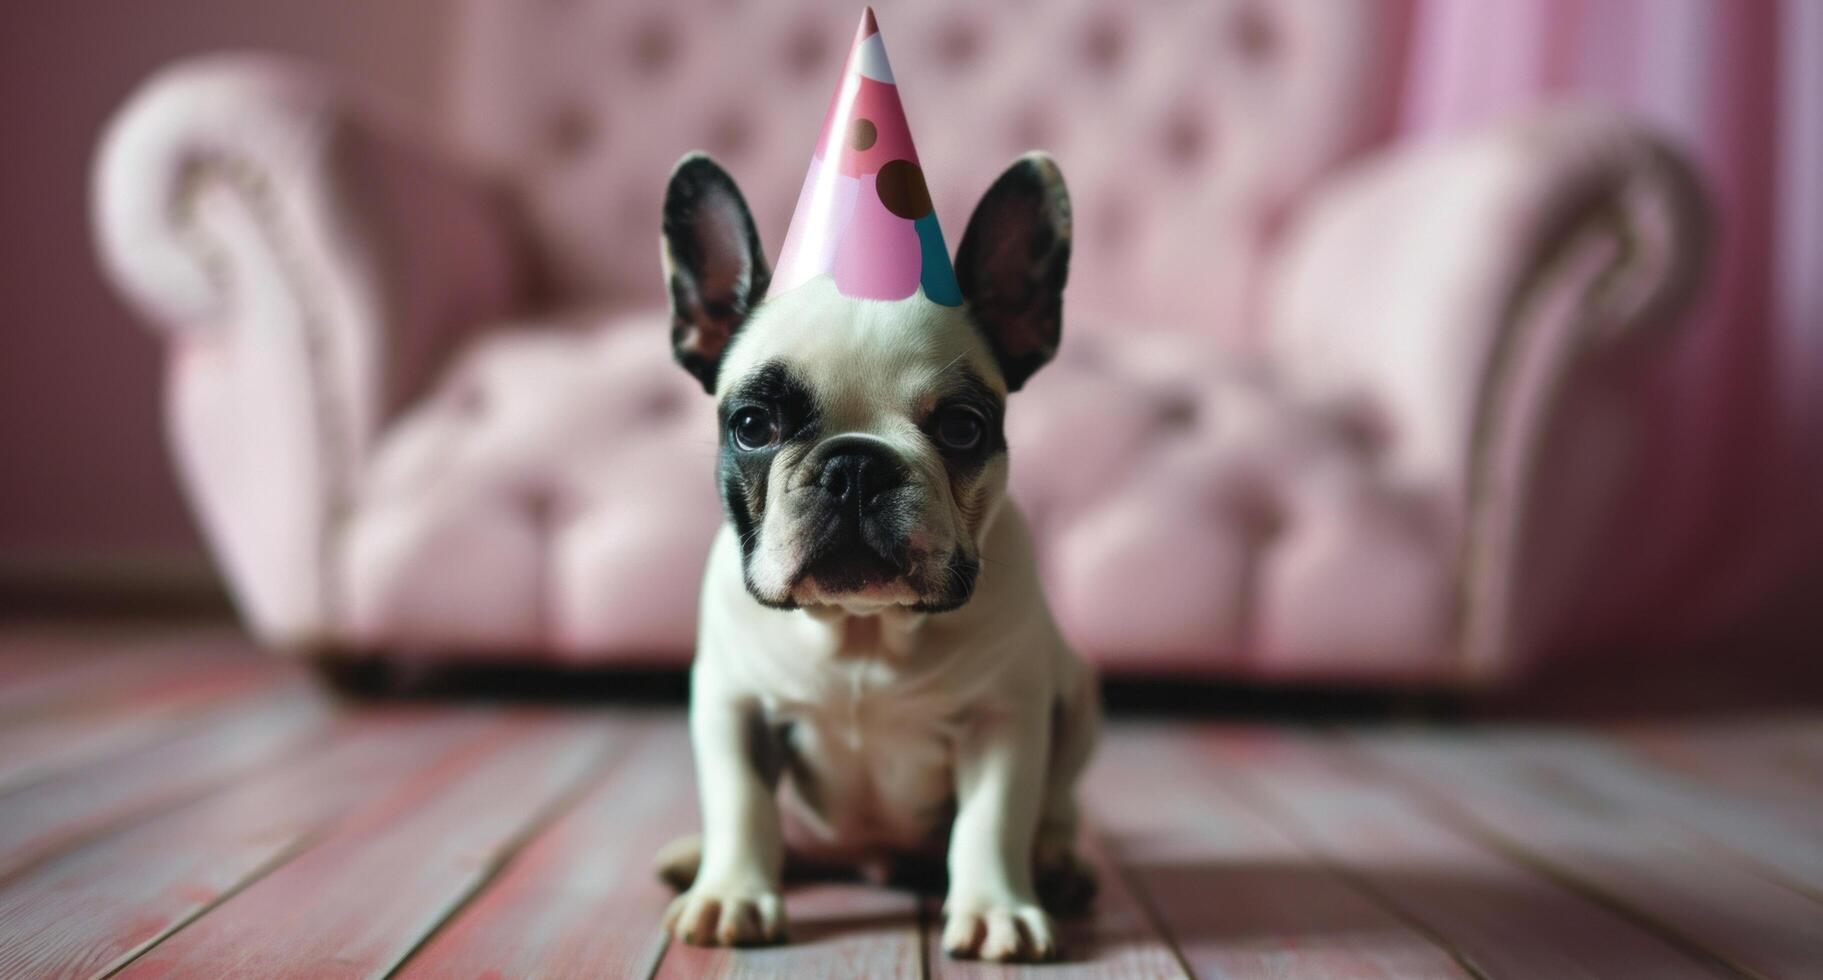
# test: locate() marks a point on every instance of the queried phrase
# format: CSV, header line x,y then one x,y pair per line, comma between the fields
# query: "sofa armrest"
x,y
1487,303
310,267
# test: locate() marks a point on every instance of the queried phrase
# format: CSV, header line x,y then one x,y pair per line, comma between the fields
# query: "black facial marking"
x,y
776,387
967,388
743,474
957,586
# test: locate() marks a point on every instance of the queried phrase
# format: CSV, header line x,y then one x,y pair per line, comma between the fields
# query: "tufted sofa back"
x,y
1186,130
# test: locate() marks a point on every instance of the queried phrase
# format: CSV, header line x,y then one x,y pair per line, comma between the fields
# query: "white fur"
x,y
901,725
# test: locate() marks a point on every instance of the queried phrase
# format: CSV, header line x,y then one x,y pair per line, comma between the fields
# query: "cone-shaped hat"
x,y
864,216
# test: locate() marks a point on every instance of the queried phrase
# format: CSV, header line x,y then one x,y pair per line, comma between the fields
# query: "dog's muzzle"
x,y
861,524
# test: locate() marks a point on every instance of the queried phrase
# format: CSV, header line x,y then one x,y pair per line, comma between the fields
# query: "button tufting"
x,y
1030,129
470,401
1184,139
1177,411
1251,32
1112,225
654,47
543,507
958,44
660,403
730,134
1262,514
572,130
1103,46
805,52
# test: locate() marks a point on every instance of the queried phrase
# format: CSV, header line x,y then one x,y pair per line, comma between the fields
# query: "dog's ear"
x,y
1013,262
714,268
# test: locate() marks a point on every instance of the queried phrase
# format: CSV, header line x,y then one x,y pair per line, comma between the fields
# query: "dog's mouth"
x,y
847,558
851,570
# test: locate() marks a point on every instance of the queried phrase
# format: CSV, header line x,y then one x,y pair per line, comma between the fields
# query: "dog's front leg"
x,y
735,898
992,907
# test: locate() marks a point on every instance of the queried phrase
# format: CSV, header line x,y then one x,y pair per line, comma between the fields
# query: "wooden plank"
x,y
1782,840
1500,917
358,902
65,667
837,931
582,899
1238,897
49,816
1662,876
1780,765
583,902
28,653
98,906
1118,939
119,718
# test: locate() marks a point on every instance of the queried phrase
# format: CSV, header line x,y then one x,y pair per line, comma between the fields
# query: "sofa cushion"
x,y
556,493
1193,514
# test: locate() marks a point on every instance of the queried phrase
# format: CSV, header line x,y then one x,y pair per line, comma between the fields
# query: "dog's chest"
x,y
870,764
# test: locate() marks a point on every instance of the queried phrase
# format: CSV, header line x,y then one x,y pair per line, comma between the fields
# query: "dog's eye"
x,y
960,428
753,428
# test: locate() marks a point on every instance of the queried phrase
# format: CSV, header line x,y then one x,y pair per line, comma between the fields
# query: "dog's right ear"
x,y
714,268
1014,260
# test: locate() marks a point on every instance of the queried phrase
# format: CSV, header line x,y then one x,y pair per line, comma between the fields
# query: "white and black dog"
x,y
873,633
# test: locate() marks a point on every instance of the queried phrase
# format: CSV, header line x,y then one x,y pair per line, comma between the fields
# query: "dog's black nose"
x,y
856,476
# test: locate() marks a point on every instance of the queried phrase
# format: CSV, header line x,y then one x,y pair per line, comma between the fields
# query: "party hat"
x,y
864,217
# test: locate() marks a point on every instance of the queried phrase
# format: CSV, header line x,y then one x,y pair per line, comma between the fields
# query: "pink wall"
x,y
83,469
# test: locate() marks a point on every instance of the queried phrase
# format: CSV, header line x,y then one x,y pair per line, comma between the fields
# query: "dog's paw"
x,y
727,916
1002,931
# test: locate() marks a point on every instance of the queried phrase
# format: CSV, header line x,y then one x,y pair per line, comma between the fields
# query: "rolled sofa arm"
x,y
1488,302
310,268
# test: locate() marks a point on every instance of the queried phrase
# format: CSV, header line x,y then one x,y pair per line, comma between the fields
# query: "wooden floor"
x,y
174,806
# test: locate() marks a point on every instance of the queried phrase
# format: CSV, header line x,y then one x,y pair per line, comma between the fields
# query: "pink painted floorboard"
x,y
837,931
356,903
1117,940
1661,875
44,743
582,900
1238,896
99,905
1493,911
52,814
188,810
52,669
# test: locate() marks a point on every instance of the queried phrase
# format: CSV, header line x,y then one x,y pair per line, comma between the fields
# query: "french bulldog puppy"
x,y
873,634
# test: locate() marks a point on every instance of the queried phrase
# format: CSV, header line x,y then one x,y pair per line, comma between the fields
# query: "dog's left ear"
x,y
714,268
1013,262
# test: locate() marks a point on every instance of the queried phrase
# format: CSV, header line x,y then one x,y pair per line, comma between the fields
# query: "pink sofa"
x,y
1327,409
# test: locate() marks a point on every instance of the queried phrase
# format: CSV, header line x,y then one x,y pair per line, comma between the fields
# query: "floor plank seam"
x,y
930,922
607,761
1516,851
161,817
1242,791
279,860
165,731
1147,905
1670,772
1754,865
228,781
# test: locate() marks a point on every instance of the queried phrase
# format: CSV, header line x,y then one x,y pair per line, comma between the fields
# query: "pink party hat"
x,y
864,216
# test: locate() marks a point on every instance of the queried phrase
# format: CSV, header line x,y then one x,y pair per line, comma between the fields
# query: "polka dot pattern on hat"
x,y
864,216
